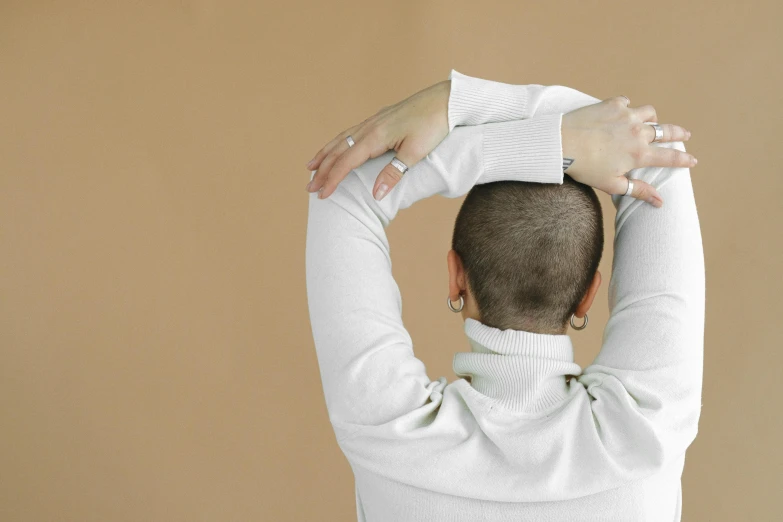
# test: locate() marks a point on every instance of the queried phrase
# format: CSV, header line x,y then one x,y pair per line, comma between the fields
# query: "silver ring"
x,y
397,164
350,141
630,188
658,131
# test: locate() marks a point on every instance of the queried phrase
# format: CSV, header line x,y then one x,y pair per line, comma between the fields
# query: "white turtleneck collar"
x,y
524,371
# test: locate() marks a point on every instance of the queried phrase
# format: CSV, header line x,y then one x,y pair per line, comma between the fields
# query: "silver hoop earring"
x,y
451,307
578,327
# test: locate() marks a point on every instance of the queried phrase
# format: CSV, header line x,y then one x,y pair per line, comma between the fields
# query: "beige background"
x,y
155,347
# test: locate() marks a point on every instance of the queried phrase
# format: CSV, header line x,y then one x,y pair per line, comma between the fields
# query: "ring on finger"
x,y
630,188
350,141
399,165
658,131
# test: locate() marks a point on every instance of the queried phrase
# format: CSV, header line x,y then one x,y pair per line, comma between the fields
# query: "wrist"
x,y
569,141
444,89
524,150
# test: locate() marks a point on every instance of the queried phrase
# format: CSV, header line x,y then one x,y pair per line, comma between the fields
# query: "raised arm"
x,y
650,364
368,369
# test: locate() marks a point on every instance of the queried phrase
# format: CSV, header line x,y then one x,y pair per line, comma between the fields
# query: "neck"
x,y
524,325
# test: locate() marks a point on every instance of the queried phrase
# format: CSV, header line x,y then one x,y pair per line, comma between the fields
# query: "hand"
x,y
412,127
608,139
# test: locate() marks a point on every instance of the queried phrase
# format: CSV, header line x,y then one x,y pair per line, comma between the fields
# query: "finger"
x,y
323,169
646,192
641,190
321,154
670,133
391,175
673,132
371,143
329,160
618,101
319,157
349,160
666,157
646,113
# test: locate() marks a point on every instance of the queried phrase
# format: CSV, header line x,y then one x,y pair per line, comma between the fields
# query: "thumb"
x,y
641,190
391,175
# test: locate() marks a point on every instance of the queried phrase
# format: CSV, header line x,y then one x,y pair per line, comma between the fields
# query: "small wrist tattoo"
x,y
567,163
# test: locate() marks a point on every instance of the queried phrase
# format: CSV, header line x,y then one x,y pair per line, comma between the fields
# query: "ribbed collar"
x,y
524,371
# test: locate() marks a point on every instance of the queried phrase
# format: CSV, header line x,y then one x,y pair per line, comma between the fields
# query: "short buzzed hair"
x,y
530,251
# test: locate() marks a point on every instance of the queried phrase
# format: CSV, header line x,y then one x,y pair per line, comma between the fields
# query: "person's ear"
x,y
456,275
587,300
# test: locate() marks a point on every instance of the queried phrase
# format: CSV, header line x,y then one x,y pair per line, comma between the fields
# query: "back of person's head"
x,y
529,251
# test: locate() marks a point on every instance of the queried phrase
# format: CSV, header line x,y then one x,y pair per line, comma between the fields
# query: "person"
x,y
524,433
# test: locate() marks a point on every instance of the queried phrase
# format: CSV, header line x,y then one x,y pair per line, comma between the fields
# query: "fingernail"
x,y
309,185
321,193
694,161
310,163
382,190
689,134
657,203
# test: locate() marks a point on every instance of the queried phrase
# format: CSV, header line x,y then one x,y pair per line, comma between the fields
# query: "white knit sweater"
x,y
524,433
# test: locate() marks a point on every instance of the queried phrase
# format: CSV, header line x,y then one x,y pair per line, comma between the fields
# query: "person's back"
x,y
654,498
524,433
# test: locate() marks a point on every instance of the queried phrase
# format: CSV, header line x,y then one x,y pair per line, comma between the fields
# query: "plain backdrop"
x,y
156,358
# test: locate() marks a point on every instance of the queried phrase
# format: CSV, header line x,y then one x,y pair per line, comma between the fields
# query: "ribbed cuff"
x,y
524,150
474,101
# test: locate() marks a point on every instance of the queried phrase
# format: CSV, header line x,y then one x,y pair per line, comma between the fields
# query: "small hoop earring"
x,y
578,327
451,307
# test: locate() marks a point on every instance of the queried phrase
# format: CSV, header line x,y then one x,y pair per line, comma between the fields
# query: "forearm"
x,y
476,101
522,150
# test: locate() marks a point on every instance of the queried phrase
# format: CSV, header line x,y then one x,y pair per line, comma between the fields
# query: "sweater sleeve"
x,y
368,369
473,101
650,364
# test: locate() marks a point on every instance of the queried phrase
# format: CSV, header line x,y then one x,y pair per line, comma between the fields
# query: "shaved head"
x,y
530,250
